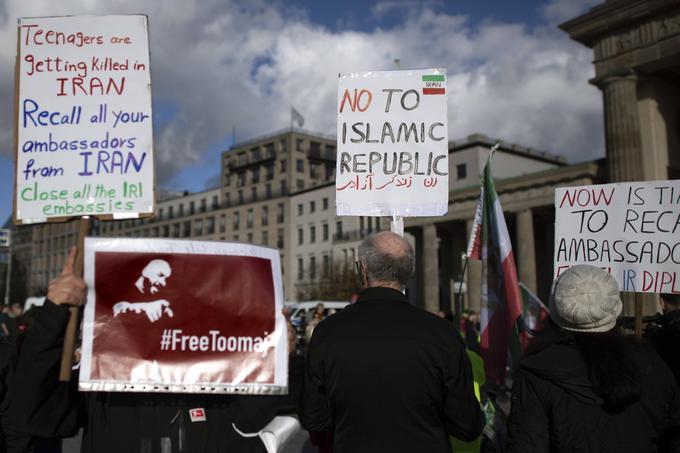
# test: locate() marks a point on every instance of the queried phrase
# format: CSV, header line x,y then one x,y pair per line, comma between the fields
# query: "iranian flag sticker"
x,y
434,84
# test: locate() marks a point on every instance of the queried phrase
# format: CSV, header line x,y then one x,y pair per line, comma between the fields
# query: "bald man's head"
x,y
388,259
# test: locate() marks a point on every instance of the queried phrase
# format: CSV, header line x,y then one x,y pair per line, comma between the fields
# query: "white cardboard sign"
x,y
392,143
630,229
84,142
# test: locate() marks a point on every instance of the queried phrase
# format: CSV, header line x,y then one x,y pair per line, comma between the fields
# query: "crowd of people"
x,y
378,376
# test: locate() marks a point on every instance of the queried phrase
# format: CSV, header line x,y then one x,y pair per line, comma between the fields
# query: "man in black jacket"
x,y
384,376
666,339
41,405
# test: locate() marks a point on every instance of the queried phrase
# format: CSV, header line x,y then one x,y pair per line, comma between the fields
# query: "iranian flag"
x,y
501,300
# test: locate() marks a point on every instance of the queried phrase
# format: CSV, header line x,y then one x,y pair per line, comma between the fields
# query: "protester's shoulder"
x,y
651,363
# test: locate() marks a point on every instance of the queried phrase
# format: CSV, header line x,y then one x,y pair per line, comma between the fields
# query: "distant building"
x,y
278,191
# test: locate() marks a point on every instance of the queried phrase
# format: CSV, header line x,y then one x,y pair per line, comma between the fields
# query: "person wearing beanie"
x,y
584,387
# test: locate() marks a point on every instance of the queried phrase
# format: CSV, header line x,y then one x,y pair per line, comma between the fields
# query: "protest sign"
x,y
183,316
83,125
392,144
630,229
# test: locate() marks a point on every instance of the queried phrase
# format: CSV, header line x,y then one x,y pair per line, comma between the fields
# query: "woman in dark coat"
x,y
583,387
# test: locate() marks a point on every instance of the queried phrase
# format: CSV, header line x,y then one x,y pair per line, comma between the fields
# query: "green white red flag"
x,y
501,300
534,311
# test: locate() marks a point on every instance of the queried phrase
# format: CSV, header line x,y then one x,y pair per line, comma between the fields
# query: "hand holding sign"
x,y
67,288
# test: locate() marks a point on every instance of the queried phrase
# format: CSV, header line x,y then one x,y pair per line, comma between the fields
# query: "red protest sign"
x,y
183,316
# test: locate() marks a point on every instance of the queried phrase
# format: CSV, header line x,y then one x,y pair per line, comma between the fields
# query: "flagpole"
x,y
459,296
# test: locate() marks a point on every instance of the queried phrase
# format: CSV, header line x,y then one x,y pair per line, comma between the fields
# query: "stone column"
x,y
473,279
526,251
431,268
622,127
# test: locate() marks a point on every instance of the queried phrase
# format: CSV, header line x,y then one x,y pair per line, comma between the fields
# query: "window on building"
x,y
300,236
265,215
198,227
312,206
461,171
284,144
269,150
325,203
236,238
187,229
324,231
280,213
330,172
284,187
298,144
203,205
256,175
175,230
300,184
249,218
240,196
227,177
300,165
338,229
300,209
255,154
180,211
312,234
250,238
270,172
279,238
300,269
241,181
227,200
166,231
268,190
170,215
326,265
283,166
223,223
215,202
265,238
253,193
314,171
160,214
235,220
192,208
210,225
312,267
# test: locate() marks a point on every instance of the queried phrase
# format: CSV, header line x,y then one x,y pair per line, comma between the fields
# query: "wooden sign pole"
x,y
72,326
638,315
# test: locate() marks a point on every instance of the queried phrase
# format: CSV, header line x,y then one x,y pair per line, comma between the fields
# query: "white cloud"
x,y
244,65
557,11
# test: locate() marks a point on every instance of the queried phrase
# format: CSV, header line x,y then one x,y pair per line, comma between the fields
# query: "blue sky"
x,y
512,73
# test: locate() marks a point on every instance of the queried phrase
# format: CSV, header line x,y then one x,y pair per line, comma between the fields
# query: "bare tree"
x,y
340,282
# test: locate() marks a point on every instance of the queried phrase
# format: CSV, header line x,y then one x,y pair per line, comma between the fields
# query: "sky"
x,y
220,66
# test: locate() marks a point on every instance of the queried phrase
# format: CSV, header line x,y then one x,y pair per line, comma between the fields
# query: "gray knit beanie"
x,y
585,299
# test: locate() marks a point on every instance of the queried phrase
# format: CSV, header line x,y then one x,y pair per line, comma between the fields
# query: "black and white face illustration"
x,y
155,273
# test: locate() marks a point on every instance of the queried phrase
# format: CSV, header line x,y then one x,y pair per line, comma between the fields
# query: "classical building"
x,y
636,53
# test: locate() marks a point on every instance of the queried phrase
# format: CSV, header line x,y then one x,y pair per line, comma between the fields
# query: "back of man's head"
x,y
388,259
671,302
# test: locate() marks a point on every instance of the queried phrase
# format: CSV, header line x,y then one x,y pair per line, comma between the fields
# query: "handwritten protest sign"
x,y
183,316
630,229
392,144
84,135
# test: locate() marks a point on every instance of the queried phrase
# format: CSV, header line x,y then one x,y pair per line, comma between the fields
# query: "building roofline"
x,y
607,17
280,132
511,148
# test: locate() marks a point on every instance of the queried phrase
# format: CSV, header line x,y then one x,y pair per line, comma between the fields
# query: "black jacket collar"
x,y
381,294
